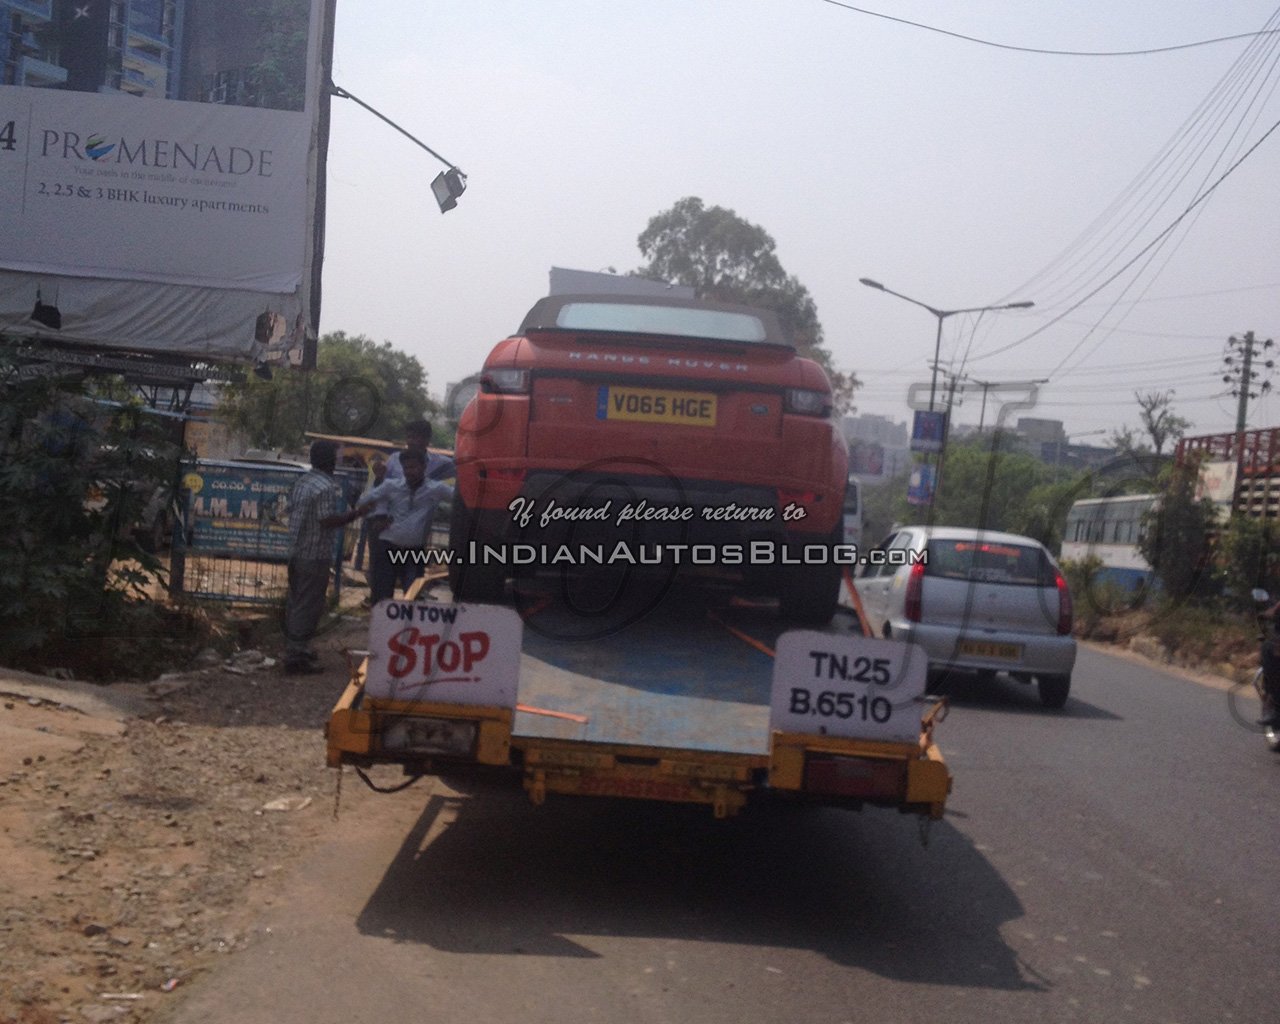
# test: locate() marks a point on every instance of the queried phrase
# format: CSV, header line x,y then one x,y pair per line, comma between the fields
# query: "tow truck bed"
x,y
673,707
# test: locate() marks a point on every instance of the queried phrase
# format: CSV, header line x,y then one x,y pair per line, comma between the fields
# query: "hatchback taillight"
x,y
911,604
1065,607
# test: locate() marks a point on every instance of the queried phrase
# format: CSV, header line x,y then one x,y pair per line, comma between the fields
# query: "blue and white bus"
x,y
1110,529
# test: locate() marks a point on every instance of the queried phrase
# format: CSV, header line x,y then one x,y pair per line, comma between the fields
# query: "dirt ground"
x,y
142,830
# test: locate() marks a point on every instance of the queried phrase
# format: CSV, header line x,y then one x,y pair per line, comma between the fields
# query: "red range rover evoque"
x,y
655,404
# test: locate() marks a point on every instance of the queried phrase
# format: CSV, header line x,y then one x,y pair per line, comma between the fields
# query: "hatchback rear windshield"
x,y
990,562
680,322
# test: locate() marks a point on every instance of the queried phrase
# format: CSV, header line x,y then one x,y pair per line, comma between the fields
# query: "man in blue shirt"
x,y
418,436
411,502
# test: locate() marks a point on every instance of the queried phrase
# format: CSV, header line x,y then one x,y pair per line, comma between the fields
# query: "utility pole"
x,y
1242,410
946,432
1238,370
986,386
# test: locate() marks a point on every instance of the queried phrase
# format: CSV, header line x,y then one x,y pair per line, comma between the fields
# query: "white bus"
x,y
1110,529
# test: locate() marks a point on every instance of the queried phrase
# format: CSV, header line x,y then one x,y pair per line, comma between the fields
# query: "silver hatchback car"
x,y
974,600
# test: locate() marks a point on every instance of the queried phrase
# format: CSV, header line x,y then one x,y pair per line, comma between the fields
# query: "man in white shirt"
x,y
411,503
417,436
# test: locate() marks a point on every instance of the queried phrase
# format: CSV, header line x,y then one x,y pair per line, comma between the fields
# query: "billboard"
x,y
162,173
921,484
928,431
1217,482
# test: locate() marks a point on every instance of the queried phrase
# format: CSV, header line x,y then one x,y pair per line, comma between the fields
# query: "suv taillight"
x,y
1065,607
805,402
504,381
911,604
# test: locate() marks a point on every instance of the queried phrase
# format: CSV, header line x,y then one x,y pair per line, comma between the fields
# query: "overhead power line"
x,y
1142,252
1052,53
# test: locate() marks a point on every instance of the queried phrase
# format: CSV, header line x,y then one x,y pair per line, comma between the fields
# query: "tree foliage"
x,y
75,476
1177,537
728,259
1155,410
1000,490
358,388
1248,556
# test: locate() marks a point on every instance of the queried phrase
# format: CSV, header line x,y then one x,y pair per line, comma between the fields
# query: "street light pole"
x,y
941,314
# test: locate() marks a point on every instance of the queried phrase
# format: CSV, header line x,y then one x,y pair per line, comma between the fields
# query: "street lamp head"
x,y
870,283
1020,305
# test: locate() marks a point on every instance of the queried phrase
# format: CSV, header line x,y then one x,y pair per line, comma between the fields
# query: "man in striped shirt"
x,y
313,531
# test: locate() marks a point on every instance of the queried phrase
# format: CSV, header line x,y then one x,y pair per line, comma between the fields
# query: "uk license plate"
x,y
984,649
656,405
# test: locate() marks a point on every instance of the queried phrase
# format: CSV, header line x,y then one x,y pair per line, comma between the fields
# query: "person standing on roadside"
x,y
313,532
373,524
417,436
411,502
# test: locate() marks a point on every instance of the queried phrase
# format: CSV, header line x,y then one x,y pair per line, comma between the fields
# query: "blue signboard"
x,y
239,509
928,431
921,485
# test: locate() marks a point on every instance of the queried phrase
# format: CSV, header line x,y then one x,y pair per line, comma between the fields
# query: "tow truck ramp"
x,y
699,700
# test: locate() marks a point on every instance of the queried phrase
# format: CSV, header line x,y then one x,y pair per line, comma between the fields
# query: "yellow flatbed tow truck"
x,y
702,699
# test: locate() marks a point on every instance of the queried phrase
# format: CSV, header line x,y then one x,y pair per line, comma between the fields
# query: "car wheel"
x,y
1054,690
809,594
481,582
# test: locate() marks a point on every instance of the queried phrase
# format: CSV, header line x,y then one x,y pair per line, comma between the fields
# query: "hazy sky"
x,y
952,172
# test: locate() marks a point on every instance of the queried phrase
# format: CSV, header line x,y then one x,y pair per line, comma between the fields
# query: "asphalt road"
x,y
1116,861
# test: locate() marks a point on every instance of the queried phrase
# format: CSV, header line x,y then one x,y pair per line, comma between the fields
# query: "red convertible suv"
x,y
653,421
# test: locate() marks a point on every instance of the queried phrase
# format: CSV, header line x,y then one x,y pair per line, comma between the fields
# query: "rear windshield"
x,y
990,562
670,320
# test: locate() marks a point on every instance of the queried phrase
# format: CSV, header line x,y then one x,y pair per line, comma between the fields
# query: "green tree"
x,y
1177,535
1155,410
75,476
1127,443
728,259
358,388
987,488
1248,556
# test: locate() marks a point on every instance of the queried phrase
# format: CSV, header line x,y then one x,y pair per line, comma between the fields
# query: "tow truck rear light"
x,y
863,778
504,381
911,600
1066,609
446,736
805,402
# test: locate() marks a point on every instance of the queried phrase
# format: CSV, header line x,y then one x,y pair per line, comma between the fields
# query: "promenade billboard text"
x,y
160,168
